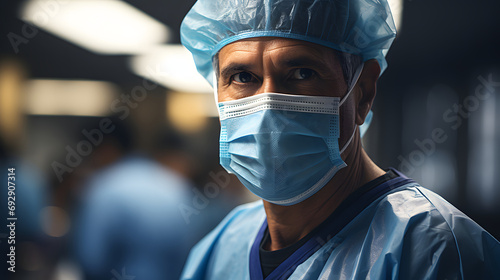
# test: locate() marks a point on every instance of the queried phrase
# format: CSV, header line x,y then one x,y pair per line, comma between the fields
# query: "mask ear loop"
x,y
355,79
348,142
357,74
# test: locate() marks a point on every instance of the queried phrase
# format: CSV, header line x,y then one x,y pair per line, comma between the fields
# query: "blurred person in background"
x,y
295,82
129,223
112,148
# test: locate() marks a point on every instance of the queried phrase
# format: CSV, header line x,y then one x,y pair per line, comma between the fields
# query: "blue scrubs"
x,y
130,225
397,230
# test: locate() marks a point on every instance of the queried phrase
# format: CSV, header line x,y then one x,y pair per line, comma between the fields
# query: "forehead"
x,y
275,48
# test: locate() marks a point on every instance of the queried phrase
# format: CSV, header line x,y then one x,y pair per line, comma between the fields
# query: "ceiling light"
x,y
64,97
105,27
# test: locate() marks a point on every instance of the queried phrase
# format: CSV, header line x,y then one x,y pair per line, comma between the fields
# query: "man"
x,y
127,225
294,80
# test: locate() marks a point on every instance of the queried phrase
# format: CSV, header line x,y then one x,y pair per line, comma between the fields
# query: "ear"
x,y
367,89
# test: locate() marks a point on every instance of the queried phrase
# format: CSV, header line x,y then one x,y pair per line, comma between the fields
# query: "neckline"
x,y
346,212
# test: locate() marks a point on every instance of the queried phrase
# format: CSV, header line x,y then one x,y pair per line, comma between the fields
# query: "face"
x,y
276,65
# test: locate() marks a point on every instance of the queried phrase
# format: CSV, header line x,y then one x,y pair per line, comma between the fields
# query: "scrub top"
x,y
129,225
396,230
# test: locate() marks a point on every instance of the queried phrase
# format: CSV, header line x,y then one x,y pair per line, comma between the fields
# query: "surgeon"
x,y
295,81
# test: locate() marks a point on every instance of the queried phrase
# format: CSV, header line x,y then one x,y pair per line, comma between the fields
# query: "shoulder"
x,y
244,214
429,232
136,178
233,235
242,218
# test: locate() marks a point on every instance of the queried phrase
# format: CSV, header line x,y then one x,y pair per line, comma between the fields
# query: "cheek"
x,y
234,92
224,93
332,85
347,120
221,96
316,87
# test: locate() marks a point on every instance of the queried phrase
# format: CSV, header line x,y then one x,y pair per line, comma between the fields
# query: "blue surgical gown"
x,y
398,230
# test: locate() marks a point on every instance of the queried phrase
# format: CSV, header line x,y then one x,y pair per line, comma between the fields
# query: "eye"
x,y
243,77
303,73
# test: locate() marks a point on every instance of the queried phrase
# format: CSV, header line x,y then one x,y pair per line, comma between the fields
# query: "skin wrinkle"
x,y
244,56
268,60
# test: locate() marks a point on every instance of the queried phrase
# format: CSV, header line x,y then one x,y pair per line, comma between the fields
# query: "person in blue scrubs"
x,y
295,82
127,223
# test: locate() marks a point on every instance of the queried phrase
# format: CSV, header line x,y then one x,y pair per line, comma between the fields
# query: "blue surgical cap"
x,y
360,27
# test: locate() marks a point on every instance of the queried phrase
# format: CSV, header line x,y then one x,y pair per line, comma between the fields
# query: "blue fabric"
x,y
362,27
283,148
339,219
130,220
30,194
406,232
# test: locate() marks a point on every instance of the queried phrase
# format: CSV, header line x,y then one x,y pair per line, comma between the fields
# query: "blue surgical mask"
x,y
283,148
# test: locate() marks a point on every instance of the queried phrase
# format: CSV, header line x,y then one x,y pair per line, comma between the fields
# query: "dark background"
x,y
435,64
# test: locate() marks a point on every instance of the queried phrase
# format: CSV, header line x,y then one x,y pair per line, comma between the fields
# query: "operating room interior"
x,y
87,84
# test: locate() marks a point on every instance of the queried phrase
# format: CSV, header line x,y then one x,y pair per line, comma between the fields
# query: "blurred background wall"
x,y
86,85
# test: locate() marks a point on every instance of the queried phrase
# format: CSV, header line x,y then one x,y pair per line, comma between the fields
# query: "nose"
x,y
271,84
